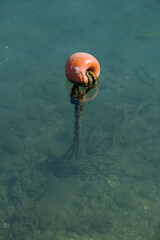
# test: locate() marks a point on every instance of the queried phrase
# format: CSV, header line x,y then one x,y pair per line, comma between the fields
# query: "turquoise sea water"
x,y
111,191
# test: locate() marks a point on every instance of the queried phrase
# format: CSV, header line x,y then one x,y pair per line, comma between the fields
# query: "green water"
x,y
111,191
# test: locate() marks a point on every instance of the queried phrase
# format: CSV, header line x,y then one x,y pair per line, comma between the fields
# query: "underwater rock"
x,y
125,198
12,144
60,235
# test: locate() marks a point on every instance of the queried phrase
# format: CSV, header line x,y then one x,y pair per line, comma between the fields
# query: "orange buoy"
x,y
82,69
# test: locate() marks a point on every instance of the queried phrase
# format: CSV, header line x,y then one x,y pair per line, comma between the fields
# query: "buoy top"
x,y
81,67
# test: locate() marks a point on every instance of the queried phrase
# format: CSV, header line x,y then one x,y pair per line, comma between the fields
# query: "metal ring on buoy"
x,y
82,69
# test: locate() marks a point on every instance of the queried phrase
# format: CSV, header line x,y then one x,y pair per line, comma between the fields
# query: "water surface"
x,y
112,189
